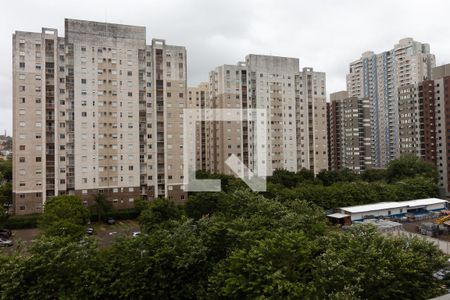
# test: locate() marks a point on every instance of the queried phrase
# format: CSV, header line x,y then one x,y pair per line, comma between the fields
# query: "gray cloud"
x,y
326,34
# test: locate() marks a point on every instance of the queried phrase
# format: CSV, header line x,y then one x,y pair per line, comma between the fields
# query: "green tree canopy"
x,y
101,205
54,268
6,169
278,267
378,267
371,175
158,213
408,166
64,216
169,263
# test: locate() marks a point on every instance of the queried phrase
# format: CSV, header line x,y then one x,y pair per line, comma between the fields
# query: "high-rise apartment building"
x,y
96,111
417,126
296,109
228,90
439,88
198,97
349,132
378,77
311,121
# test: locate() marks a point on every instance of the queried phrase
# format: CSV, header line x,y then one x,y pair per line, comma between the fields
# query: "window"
x,y
130,73
22,147
22,159
38,159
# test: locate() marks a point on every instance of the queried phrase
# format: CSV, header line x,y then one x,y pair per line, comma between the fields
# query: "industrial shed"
x,y
394,209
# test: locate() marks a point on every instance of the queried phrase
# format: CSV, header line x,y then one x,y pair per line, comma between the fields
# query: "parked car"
x,y
90,230
110,221
5,243
136,233
5,233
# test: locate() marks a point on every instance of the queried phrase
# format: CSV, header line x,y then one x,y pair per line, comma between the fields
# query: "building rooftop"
x,y
338,216
392,205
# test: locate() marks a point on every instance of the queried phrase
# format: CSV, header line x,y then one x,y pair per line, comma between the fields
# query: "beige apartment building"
x,y
311,120
349,132
228,90
296,110
96,111
198,98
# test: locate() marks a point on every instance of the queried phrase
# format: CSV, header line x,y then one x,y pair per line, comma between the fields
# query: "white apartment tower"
x,y
96,111
378,77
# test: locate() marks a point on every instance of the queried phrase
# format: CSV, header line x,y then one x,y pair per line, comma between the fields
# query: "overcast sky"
x,y
325,34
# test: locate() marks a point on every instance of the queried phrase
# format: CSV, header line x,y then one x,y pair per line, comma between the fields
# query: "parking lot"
x,y
105,234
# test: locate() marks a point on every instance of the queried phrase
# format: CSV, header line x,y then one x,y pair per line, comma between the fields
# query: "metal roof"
x,y
392,205
338,215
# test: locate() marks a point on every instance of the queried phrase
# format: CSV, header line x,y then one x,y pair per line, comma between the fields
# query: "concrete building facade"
x,y
417,126
350,132
378,77
96,111
296,107
440,84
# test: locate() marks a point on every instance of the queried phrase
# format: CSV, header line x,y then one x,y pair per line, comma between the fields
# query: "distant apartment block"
x,y
417,120
296,106
378,78
349,132
439,87
96,111
198,98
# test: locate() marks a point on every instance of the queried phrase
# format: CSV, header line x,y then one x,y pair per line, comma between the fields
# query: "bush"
x,y
120,214
22,222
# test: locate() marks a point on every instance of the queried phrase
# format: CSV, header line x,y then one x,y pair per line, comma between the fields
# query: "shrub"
x,y
22,222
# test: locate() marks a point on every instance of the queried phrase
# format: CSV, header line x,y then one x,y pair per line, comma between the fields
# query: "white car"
x,y
136,233
5,243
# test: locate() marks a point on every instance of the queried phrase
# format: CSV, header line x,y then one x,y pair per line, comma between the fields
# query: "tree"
x,y
141,204
6,194
203,204
54,268
371,175
279,267
169,263
3,216
158,213
333,176
64,216
410,166
418,187
378,267
101,205
6,169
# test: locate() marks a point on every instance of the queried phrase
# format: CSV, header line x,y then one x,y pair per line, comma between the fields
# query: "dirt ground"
x,y
105,234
